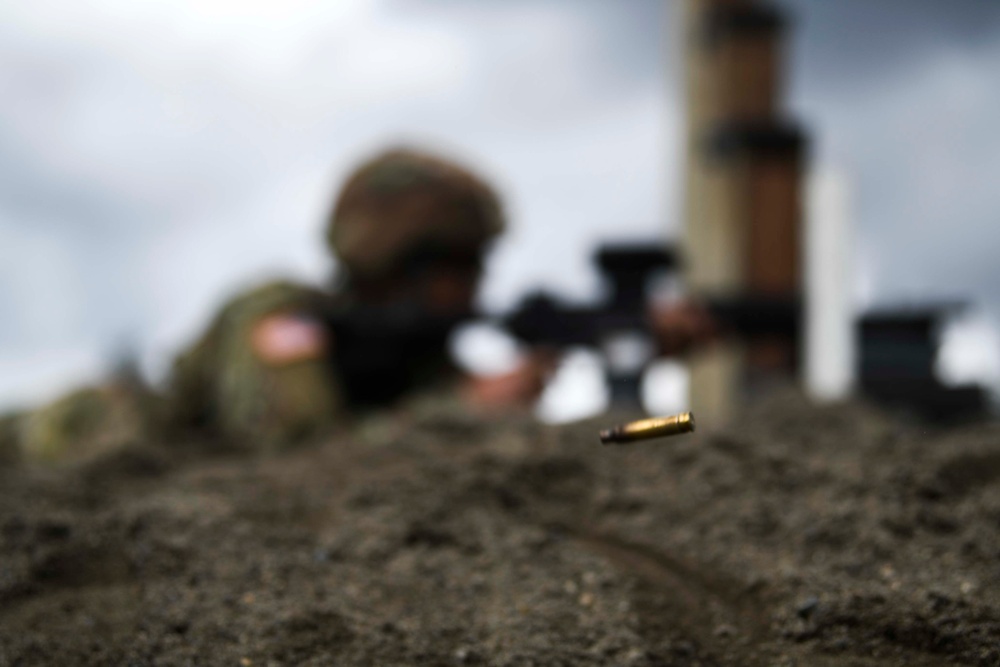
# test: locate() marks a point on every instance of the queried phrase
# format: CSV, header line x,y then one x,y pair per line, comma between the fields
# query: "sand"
x,y
807,536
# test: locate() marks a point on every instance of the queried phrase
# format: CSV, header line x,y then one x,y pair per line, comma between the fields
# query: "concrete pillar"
x,y
831,334
742,204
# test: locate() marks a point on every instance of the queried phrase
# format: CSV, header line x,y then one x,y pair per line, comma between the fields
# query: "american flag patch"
x,y
284,339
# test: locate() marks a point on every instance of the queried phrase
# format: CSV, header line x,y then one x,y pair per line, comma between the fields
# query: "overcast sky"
x,y
156,155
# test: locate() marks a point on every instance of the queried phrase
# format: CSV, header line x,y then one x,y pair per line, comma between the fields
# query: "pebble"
x,y
635,656
807,607
465,655
840,644
724,631
684,648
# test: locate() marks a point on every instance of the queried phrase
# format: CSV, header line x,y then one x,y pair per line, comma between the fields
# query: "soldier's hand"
x,y
519,388
682,326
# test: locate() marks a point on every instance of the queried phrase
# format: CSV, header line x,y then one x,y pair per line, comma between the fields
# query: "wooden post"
x,y
742,201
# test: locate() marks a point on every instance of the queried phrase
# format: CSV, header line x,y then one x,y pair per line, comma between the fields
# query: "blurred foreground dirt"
x,y
811,537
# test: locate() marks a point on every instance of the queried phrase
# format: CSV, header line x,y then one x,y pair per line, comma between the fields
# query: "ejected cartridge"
x,y
646,429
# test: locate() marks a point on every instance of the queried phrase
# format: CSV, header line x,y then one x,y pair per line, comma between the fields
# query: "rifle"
x,y
382,351
618,326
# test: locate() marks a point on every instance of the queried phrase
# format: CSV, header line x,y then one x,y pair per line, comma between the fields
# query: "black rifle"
x,y
544,319
383,351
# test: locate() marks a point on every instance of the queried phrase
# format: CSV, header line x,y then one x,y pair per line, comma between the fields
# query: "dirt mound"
x,y
807,537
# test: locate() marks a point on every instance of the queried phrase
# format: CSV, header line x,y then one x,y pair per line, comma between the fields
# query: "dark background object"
x,y
898,352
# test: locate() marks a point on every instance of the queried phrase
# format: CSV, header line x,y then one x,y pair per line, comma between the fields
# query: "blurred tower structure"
x,y
743,190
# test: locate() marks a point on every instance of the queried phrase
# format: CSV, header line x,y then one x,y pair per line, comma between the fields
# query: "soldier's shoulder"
x,y
259,371
241,311
268,297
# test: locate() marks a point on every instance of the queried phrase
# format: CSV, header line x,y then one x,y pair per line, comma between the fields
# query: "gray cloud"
x,y
154,156
903,96
167,154
858,45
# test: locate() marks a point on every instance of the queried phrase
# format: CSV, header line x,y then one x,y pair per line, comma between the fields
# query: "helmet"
x,y
403,201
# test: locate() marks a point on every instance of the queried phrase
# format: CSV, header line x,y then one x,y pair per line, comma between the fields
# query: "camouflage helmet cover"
x,y
404,199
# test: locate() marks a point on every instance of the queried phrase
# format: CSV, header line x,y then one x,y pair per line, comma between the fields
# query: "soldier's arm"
x,y
680,327
519,388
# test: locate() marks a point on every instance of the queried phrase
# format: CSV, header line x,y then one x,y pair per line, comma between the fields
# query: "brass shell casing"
x,y
646,429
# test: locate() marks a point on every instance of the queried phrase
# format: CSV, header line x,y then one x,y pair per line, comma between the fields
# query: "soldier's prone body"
x,y
410,232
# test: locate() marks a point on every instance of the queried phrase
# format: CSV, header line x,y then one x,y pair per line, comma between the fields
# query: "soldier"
x,y
285,360
411,232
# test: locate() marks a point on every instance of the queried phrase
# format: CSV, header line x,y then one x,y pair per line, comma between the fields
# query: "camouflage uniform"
x,y
83,423
10,438
222,385
392,204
